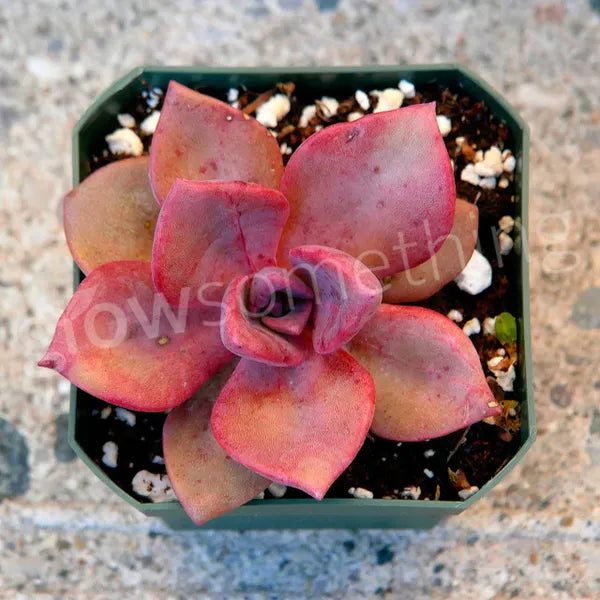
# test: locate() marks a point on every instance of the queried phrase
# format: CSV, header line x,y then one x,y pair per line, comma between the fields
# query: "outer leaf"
x,y
206,481
111,215
114,341
346,294
247,336
199,137
431,276
427,374
301,426
210,231
362,186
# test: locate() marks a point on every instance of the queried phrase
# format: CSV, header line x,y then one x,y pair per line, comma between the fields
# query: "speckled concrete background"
x,y
536,536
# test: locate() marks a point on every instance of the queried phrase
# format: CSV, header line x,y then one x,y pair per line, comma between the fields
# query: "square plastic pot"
x,y
340,82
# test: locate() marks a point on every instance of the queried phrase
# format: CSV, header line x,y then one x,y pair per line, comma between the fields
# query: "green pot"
x,y
329,513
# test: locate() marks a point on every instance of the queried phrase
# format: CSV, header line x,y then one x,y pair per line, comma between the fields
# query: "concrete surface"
x,y
536,536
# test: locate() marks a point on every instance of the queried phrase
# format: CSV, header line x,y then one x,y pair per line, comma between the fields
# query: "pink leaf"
x,y
294,322
271,280
300,426
206,481
346,294
210,231
431,276
119,341
380,188
111,215
199,138
427,374
244,334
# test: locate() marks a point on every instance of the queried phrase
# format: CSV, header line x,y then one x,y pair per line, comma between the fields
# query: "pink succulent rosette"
x,y
209,251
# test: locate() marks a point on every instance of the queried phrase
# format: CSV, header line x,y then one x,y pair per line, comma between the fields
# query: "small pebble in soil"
x,y
445,125
328,106
124,141
455,315
125,415
428,473
273,110
126,120
472,326
411,492
505,242
360,493
308,113
111,453
489,326
233,95
506,378
152,485
468,492
260,496
148,125
407,88
362,99
277,490
476,276
354,116
106,412
506,223
429,453
388,99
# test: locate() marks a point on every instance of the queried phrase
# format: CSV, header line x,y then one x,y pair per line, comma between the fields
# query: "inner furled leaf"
x,y
346,294
208,232
120,341
380,188
300,426
431,276
205,479
111,215
244,333
199,138
428,377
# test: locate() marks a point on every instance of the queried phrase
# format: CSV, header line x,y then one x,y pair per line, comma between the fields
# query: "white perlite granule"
x,y
124,141
152,485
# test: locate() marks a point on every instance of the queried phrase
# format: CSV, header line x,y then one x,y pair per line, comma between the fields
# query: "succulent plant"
x,y
222,255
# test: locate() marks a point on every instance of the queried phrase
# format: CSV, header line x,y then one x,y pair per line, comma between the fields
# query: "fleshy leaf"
x,y
206,481
111,215
346,293
208,232
199,138
428,378
431,276
294,322
300,426
246,335
380,188
271,280
119,341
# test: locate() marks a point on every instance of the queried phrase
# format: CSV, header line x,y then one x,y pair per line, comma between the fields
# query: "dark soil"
x,y
383,467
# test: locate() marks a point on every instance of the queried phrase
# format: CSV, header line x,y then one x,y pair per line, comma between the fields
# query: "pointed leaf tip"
x,y
428,377
300,426
119,341
380,188
205,479
200,138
